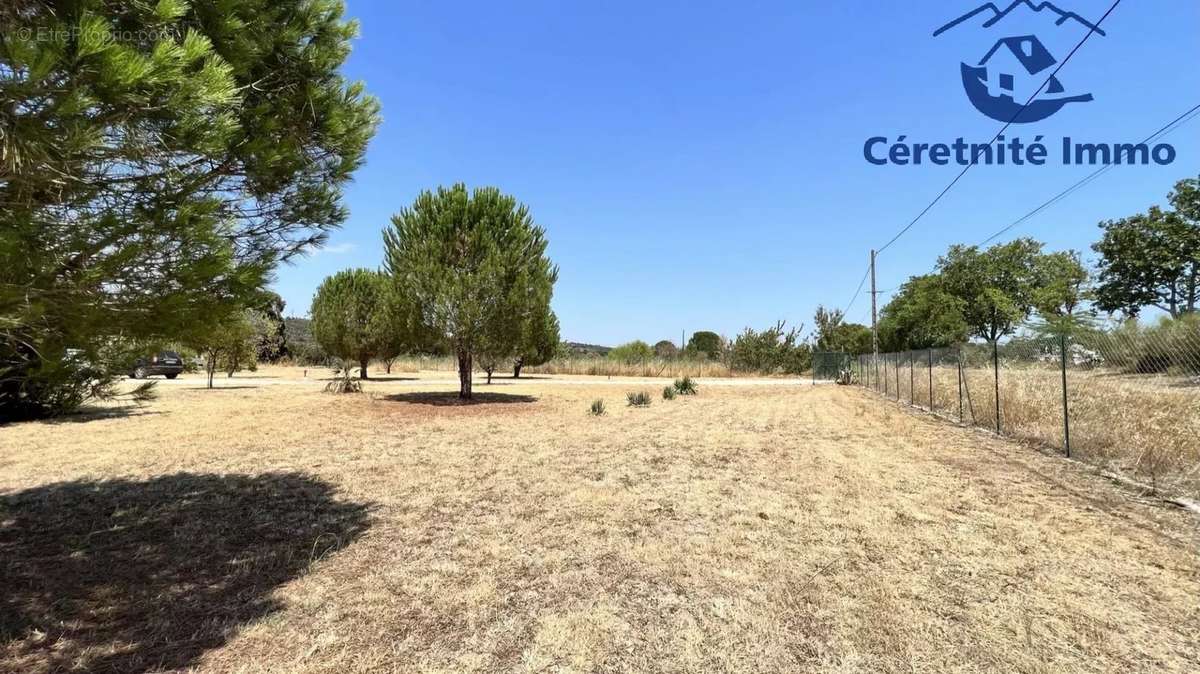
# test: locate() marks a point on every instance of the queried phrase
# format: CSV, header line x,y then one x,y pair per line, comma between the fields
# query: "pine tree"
x,y
157,159
349,318
475,265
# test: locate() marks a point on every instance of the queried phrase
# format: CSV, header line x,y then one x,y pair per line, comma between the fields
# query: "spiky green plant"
x,y
597,409
668,393
638,399
685,386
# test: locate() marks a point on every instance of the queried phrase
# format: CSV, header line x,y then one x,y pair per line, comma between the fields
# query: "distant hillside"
x,y
581,349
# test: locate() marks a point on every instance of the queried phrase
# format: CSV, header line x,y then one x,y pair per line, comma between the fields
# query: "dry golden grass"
x,y
589,366
749,528
1145,427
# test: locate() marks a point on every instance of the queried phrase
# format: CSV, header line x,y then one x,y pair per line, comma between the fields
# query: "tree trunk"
x,y
464,375
362,368
211,366
387,366
517,368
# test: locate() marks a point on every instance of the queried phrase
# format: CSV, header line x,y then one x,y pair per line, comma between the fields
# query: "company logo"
x,y
1015,67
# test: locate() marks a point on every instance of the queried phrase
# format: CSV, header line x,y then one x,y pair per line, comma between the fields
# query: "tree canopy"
x,y
1153,258
705,344
474,265
350,319
152,182
996,285
922,314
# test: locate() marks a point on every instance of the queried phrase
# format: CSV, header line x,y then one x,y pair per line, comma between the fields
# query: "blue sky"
x,y
699,165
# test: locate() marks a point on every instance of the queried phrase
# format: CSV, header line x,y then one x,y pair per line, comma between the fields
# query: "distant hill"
x,y
581,349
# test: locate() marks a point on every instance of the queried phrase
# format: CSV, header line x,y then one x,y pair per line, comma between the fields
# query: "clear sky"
x,y
700,165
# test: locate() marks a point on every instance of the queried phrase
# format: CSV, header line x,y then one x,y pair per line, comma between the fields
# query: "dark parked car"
x,y
167,363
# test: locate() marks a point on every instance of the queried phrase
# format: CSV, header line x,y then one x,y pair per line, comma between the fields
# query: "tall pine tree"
x,y
157,159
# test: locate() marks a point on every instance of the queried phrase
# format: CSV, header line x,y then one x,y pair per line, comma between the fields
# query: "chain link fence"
x,y
1127,400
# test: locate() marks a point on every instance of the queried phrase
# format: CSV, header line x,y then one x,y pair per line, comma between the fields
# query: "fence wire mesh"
x,y
1127,399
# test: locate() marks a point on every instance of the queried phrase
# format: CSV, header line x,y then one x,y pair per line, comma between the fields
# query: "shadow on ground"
x,y
86,414
451,399
137,576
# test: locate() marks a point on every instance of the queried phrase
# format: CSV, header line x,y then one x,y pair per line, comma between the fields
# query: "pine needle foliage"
x,y
157,160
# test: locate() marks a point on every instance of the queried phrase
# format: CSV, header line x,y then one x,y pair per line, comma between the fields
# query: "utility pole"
x,y
874,318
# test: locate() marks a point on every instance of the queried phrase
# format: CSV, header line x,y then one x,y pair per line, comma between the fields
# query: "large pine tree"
x,y
157,159
474,264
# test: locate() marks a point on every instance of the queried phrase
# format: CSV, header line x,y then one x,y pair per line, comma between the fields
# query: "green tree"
x,y
226,343
349,316
769,351
705,344
632,353
922,314
271,344
666,349
150,184
475,265
1153,258
996,285
539,341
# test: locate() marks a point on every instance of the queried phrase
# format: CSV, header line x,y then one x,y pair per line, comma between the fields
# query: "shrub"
x,y
685,386
344,381
597,409
629,353
668,393
639,399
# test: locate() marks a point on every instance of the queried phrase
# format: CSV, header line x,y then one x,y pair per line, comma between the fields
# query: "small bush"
x,y
685,386
668,393
597,409
639,399
343,382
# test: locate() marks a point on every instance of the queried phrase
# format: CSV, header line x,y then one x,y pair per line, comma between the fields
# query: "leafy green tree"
x,y
539,341
834,334
666,349
769,351
349,316
226,343
996,285
271,344
922,314
1153,258
705,344
475,265
632,353
149,185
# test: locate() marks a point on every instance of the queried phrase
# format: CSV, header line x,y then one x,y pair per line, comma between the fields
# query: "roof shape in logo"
x,y
1029,50
998,15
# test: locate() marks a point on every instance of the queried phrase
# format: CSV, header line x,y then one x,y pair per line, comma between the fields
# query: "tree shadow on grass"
x,y
135,576
86,414
451,399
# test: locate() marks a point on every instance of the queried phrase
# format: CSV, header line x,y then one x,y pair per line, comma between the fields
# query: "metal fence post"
x,y
912,379
930,379
996,378
1066,412
958,352
897,377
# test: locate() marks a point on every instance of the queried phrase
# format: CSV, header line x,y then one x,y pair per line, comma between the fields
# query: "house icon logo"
x,y
1015,68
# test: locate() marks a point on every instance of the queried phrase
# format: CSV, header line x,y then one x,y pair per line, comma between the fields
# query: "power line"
x,y
1171,126
857,291
999,133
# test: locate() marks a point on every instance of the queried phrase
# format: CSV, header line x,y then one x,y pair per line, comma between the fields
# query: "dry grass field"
x,y
267,527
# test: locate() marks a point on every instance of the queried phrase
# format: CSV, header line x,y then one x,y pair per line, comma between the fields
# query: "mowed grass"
x,y
272,527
